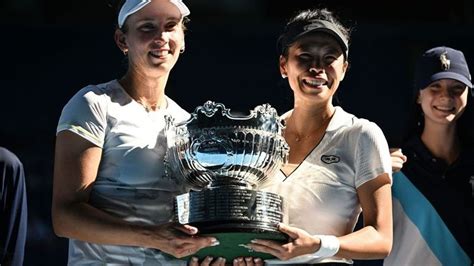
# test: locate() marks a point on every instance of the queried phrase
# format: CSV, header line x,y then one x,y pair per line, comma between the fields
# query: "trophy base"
x,y
234,216
234,238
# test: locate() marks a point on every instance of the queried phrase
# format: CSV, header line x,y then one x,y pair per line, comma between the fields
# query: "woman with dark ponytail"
x,y
338,164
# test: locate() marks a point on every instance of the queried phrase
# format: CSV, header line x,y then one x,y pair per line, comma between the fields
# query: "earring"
x,y
181,50
284,76
125,52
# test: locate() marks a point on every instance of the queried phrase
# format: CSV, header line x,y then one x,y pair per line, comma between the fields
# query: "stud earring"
x,y
125,52
284,76
181,50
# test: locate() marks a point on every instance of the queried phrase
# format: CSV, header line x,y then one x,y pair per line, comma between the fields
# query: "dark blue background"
x,y
51,49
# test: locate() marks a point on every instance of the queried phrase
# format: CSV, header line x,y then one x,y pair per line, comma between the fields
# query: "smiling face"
x,y
315,66
153,38
443,101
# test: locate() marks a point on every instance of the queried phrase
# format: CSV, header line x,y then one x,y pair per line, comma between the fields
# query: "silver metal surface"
x,y
216,148
223,204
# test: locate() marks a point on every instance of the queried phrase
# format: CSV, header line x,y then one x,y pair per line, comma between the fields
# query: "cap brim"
x,y
326,30
129,8
451,75
182,7
132,6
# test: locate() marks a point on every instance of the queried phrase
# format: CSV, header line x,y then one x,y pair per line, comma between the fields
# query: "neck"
x,y
441,140
148,91
310,119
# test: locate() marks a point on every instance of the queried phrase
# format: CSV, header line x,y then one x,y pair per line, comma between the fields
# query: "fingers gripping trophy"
x,y
225,158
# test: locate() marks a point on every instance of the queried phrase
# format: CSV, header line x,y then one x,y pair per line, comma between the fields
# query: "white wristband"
x,y
329,246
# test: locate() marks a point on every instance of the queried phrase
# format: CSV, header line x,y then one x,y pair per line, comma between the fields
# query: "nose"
x,y
315,70
446,96
161,38
446,93
316,67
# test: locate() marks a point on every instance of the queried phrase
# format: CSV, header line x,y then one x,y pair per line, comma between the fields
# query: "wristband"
x,y
329,246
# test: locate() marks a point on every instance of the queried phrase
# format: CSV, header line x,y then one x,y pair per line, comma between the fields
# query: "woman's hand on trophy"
x,y
208,261
247,261
301,243
178,240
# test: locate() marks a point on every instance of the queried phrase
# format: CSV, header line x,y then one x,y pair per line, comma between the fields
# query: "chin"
x,y
162,67
446,121
156,72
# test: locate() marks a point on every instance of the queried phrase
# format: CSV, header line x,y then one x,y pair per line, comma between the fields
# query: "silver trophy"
x,y
225,158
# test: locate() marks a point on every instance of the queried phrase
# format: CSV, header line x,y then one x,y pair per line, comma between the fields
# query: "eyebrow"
x,y
458,86
327,51
334,50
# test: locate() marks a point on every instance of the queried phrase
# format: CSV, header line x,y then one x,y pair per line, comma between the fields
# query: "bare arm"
x,y
373,241
76,165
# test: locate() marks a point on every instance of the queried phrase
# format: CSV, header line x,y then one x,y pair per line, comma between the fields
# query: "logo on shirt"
x,y
329,159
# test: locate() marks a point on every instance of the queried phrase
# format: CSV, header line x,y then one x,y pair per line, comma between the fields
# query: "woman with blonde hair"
x,y
112,196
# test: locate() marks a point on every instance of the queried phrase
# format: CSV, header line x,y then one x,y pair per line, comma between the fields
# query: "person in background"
x,y
13,209
338,164
433,194
112,197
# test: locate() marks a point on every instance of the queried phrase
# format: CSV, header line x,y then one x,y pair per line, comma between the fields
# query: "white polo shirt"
x,y
131,182
321,193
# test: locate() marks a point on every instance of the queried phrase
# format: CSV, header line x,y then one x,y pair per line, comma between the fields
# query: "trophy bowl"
x,y
225,158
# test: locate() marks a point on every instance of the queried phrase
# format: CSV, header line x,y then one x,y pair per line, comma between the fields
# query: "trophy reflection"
x,y
225,158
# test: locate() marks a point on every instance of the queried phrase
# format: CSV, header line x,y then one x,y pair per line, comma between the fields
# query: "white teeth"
x,y
315,82
444,108
160,53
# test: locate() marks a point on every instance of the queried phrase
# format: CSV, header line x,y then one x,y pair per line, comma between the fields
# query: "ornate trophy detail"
x,y
225,158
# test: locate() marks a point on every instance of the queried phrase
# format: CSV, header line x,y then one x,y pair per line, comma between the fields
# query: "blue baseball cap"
x,y
441,63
